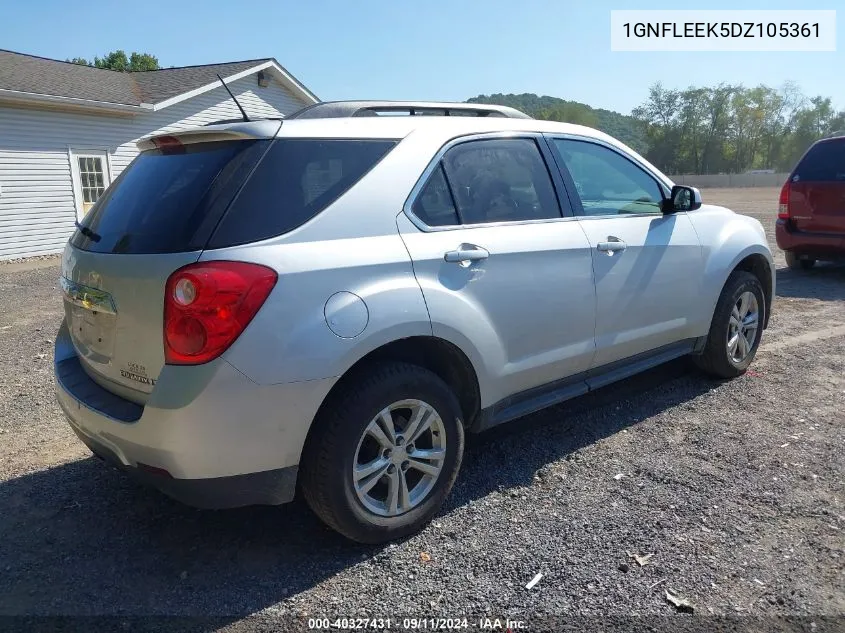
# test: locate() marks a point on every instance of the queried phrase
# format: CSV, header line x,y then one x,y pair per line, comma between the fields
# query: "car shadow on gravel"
x,y
521,449
82,539
824,281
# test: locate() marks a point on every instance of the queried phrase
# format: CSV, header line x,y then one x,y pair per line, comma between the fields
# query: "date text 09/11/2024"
x,y
417,624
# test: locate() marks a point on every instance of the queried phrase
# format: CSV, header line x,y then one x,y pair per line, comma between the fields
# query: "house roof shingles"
x,y
160,85
38,75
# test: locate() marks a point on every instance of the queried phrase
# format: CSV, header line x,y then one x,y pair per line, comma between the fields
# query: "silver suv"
x,y
333,300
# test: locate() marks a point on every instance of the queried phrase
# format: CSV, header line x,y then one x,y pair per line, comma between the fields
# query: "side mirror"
x,y
682,199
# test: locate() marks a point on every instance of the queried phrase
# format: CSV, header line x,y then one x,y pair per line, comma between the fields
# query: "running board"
x,y
544,396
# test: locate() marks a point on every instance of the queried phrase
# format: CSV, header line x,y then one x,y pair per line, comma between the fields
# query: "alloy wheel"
x,y
742,327
399,457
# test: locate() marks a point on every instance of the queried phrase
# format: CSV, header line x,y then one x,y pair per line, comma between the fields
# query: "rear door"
x,y
648,266
500,265
154,219
817,191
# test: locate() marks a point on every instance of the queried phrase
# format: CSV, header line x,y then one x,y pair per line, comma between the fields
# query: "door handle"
x,y
465,254
612,245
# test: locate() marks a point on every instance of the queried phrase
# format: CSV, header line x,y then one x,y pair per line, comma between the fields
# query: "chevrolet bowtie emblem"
x,y
87,297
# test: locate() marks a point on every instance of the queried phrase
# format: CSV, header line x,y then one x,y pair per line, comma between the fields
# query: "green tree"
x,y
728,128
778,105
814,120
117,60
746,126
691,134
718,107
660,118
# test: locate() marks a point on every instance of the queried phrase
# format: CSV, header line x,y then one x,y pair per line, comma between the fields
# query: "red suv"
x,y
811,217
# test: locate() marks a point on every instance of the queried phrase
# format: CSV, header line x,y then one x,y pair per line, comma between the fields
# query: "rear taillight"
x,y
783,206
207,306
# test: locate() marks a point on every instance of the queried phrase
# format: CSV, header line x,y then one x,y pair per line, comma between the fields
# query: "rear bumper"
x,y
207,436
272,487
818,245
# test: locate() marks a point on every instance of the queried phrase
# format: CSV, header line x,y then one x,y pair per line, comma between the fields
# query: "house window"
x,y
92,180
91,177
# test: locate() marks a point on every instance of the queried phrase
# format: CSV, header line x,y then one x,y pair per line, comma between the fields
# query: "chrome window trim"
x,y
407,209
625,216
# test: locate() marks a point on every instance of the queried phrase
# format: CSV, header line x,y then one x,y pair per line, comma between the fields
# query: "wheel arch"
x,y
731,242
758,265
736,254
443,358
755,259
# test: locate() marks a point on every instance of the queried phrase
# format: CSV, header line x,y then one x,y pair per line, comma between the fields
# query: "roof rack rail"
x,y
341,109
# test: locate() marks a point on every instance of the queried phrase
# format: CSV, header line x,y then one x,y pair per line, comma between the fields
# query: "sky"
x,y
434,50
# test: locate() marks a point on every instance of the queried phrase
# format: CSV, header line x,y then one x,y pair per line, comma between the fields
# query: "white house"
x,y
67,131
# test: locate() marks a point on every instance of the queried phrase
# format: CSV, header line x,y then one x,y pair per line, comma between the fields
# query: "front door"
x,y
90,179
648,266
501,270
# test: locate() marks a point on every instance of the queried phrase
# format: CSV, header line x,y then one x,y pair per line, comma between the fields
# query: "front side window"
x,y
608,183
500,180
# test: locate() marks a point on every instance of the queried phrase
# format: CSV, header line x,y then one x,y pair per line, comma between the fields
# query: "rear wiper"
x,y
91,235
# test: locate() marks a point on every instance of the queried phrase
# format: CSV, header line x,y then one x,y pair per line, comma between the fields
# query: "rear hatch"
x,y
155,218
817,189
202,189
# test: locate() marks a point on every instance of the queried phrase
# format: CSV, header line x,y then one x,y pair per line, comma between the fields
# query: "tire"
x,y
795,263
717,358
340,440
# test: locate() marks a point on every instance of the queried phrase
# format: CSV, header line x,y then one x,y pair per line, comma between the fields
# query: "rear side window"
x,y
295,181
825,162
168,201
434,205
500,180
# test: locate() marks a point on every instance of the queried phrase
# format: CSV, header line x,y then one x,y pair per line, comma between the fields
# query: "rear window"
x,y
295,181
824,162
169,201
181,199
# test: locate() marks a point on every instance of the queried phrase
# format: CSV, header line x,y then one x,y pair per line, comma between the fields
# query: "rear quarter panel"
x,y
353,246
290,340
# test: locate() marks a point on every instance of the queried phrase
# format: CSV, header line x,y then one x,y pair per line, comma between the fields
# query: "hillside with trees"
x,y
626,128
703,130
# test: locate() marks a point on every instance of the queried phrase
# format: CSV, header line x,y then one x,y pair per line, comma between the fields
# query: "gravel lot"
x,y
735,488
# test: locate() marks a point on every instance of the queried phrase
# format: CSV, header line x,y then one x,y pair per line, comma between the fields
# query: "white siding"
x,y
37,208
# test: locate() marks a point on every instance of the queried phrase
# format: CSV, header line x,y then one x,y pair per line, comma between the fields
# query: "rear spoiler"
x,y
239,131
